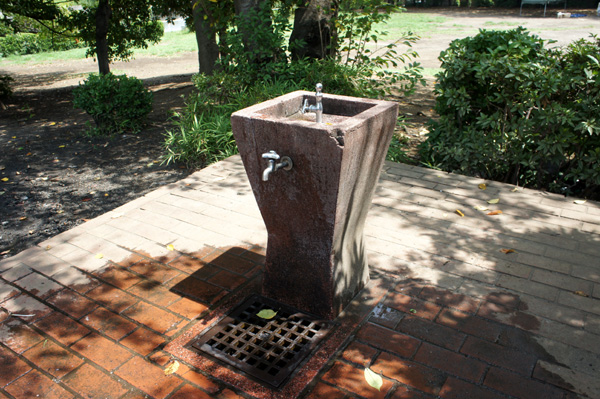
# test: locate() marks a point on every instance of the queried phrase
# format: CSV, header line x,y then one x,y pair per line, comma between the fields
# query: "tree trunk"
x,y
208,50
312,33
103,13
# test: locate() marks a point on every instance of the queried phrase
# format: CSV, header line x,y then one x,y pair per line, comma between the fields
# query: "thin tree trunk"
x,y
312,33
208,50
247,26
103,14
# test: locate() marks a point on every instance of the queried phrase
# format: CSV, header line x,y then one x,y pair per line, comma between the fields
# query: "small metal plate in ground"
x,y
268,350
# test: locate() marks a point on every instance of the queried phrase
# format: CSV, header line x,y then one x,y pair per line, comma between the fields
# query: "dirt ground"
x,y
53,178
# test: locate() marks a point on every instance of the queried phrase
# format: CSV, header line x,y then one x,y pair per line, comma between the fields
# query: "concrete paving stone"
x,y
18,336
38,285
528,287
60,250
499,355
7,291
575,337
44,262
519,386
182,207
567,379
122,238
580,215
596,291
145,230
591,228
84,260
76,279
26,307
552,311
562,281
587,304
544,262
467,270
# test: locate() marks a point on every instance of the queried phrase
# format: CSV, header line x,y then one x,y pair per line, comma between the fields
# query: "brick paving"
x,y
474,306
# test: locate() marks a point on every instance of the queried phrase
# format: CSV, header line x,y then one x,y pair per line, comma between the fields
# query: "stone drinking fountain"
x,y
313,161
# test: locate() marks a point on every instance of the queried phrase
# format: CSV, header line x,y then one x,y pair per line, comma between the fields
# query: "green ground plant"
x,y
515,111
117,103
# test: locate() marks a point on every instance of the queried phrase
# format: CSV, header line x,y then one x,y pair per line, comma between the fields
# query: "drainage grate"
x,y
268,350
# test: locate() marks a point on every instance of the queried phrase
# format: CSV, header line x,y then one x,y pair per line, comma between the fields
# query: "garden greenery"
x,y
117,103
203,132
514,110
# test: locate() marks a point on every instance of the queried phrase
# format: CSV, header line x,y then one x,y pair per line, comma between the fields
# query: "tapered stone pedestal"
x,y
315,212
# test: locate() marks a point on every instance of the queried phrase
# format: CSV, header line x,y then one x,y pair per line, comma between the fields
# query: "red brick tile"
x,y
118,276
148,377
191,265
322,390
38,285
229,394
12,367
388,339
449,299
490,310
154,271
353,379
72,303
457,389
432,332
450,362
189,392
410,305
201,380
152,317
102,351
17,336
232,263
112,298
131,260
197,289
109,323
499,355
405,393
142,341
227,280
409,373
53,358
386,316
62,328
519,386
160,358
92,383
154,292
254,256
205,252
469,324
36,385
188,308
359,353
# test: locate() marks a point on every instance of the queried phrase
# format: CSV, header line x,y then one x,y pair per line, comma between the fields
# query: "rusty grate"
x,y
268,350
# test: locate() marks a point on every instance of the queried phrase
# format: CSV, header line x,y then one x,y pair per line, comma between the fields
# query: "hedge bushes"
x,y
513,110
117,103
32,43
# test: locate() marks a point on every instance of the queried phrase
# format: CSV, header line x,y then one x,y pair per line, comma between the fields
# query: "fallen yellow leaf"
x,y
507,251
515,189
460,213
493,213
266,314
581,293
481,207
23,218
373,379
99,256
494,201
170,247
482,186
5,179
172,367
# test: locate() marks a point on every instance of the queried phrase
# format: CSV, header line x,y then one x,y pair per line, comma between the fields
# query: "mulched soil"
x,y
53,177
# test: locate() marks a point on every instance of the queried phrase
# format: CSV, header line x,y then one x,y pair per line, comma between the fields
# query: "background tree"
x,y
313,31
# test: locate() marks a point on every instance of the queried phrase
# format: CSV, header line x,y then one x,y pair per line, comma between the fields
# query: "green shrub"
x,y
117,103
32,43
5,89
515,111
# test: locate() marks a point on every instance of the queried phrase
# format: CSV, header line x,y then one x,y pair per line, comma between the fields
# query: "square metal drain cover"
x,y
268,350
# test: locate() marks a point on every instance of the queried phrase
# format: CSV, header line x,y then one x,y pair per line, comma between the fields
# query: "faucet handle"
x,y
271,155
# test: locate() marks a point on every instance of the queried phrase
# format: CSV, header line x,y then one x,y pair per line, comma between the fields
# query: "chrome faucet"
x,y
272,157
318,107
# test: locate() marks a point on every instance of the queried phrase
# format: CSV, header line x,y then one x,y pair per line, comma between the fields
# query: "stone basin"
x,y
315,212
